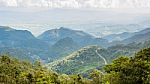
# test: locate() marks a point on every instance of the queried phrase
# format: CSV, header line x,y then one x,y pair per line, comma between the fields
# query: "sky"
x,y
100,17
76,3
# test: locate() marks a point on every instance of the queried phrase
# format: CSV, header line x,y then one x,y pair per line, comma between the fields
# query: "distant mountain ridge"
x,y
64,41
137,38
57,43
19,38
125,35
80,37
15,42
118,37
144,31
70,51
52,36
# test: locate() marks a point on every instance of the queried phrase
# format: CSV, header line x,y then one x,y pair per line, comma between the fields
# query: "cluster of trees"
x,y
13,71
134,70
123,70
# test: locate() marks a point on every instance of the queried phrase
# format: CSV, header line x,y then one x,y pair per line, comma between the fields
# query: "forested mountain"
x,y
63,47
80,37
22,44
126,49
54,35
80,61
92,57
26,46
19,38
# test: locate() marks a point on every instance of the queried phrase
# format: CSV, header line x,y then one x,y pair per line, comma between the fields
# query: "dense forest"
x,y
123,70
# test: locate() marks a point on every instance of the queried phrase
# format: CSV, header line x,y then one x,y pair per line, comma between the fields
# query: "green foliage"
x,y
123,70
13,71
97,77
79,62
134,70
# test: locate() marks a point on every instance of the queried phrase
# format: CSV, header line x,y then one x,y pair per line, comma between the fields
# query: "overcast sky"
x,y
76,3
88,15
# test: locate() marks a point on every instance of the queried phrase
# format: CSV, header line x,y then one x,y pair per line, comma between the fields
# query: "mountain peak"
x,y
6,28
56,34
64,28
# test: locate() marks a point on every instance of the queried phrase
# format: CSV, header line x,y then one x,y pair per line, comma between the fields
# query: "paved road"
x,y
101,57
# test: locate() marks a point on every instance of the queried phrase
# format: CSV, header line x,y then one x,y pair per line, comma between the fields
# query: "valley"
x,y
70,51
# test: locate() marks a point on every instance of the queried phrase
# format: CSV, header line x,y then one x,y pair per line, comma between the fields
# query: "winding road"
x,y
101,57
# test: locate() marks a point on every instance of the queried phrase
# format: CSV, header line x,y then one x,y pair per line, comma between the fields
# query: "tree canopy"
x,y
123,70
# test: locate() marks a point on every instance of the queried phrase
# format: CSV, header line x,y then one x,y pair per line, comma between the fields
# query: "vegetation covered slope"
x,y
123,70
54,35
124,50
21,44
80,61
13,71
134,70
80,37
19,38
63,47
91,57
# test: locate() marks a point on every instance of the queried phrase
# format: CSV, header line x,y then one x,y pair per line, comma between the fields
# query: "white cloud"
x,y
77,3
8,3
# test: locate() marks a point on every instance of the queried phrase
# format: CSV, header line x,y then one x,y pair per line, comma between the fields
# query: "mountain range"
x,y
19,38
51,43
15,41
125,35
82,38
70,51
93,57
64,41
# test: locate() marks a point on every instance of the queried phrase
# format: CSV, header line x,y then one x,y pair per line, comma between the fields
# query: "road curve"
x,y
101,57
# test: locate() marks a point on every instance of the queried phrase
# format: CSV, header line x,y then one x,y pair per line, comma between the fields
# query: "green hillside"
x,y
94,57
123,70
62,48
80,61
